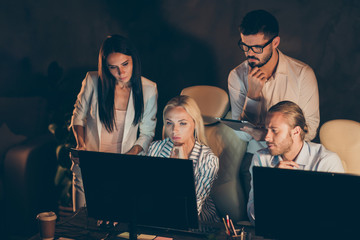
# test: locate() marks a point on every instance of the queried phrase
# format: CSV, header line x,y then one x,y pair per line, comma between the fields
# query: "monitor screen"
x,y
298,204
142,190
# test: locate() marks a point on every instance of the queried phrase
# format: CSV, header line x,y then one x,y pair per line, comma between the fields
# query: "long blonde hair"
x,y
193,110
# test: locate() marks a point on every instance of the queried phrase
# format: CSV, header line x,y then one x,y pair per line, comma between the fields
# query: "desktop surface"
x,y
80,226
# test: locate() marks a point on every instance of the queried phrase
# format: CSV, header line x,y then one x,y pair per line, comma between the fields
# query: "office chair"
x,y
343,137
227,191
212,101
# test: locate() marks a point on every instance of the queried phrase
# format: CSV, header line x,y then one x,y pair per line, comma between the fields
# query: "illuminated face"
x,y
120,66
278,137
257,59
179,126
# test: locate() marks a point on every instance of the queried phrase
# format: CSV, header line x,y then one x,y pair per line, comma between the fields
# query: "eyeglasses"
x,y
255,48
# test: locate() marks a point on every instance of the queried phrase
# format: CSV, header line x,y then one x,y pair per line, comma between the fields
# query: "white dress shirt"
x,y
293,81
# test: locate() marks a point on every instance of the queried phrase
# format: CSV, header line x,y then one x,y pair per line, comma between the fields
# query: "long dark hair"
x,y
107,82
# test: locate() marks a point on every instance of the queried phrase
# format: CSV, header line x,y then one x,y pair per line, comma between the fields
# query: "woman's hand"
x,y
79,133
136,149
76,159
178,152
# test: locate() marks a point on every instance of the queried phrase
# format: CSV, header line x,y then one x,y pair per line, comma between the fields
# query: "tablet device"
x,y
236,124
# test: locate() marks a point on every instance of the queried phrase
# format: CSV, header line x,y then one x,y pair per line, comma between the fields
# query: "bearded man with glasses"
x,y
266,77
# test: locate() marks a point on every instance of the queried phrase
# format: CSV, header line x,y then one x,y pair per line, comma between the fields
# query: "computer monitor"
x,y
298,204
139,190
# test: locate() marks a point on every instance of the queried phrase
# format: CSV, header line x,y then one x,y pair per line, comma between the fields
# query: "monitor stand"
x,y
132,224
132,231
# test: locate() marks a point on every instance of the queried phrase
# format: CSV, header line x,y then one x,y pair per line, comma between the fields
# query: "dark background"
x,y
46,47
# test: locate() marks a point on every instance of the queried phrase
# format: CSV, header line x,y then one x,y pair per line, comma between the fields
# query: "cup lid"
x,y
46,216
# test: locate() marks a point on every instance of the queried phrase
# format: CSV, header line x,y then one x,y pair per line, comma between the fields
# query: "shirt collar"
x,y
281,68
304,156
195,153
168,146
302,159
275,161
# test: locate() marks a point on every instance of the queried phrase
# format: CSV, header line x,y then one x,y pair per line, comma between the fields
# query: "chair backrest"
x,y
227,191
212,101
343,137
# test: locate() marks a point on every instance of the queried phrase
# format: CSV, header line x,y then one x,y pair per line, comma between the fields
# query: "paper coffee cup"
x,y
47,222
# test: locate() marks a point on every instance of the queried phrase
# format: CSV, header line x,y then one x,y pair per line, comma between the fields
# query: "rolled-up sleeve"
x,y
82,103
237,94
242,107
309,101
250,205
148,122
205,179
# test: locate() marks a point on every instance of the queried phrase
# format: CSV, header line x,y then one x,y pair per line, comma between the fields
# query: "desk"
x,y
79,226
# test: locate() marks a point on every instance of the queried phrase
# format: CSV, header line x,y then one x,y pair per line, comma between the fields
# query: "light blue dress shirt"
x,y
312,157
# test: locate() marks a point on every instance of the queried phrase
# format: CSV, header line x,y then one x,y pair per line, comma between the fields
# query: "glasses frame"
x,y
240,44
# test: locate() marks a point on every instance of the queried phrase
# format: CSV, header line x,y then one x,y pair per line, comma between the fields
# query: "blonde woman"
x,y
185,138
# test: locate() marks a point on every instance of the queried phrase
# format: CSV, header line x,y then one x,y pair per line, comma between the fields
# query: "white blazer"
x,y
86,114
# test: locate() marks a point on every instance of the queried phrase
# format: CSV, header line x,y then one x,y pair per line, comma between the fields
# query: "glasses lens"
x,y
257,49
243,47
246,48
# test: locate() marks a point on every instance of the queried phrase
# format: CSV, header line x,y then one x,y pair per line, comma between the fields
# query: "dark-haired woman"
x,y
115,110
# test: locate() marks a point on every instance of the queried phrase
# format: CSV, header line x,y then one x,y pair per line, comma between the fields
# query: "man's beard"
x,y
282,147
260,64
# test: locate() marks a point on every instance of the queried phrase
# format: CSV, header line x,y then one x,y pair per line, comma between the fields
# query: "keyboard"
x,y
204,229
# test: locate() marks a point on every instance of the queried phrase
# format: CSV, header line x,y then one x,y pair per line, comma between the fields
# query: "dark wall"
x,y
46,47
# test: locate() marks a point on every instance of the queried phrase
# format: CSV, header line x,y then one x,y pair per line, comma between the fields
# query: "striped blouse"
x,y
206,166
